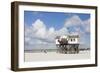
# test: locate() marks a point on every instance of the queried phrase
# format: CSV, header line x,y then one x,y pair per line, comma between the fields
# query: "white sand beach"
x,y
29,56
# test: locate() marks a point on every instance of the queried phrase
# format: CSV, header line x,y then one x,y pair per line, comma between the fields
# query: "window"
x,y
71,39
74,39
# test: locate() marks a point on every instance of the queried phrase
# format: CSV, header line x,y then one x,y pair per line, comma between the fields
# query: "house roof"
x,y
73,36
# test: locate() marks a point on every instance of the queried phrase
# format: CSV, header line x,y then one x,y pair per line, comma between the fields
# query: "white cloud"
x,y
39,28
87,25
81,27
73,21
77,23
38,24
38,33
62,31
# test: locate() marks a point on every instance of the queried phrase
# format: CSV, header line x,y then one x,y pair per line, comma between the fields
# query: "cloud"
x,y
87,25
38,33
39,28
73,21
78,26
62,31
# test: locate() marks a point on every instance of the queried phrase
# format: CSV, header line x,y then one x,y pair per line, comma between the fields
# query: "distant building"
x,y
68,43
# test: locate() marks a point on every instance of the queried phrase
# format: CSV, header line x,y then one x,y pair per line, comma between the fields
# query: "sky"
x,y
41,28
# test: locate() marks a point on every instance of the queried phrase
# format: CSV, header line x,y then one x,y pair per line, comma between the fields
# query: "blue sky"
x,y
43,25
55,19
